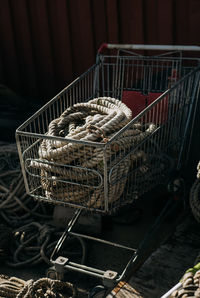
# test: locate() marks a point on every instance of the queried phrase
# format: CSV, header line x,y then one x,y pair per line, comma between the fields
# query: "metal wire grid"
x,y
144,74
128,172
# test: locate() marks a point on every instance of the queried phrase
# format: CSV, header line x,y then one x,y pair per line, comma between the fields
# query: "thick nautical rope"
x,y
115,116
16,207
33,236
190,286
10,287
43,287
46,287
97,121
198,170
195,196
194,200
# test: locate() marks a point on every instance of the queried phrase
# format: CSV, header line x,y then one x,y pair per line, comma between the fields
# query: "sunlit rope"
x,y
95,121
43,287
195,196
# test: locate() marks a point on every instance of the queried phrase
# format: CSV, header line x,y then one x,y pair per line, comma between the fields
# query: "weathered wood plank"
x,y
124,290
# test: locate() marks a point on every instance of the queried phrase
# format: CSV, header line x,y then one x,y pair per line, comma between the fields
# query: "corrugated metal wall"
x,y
47,43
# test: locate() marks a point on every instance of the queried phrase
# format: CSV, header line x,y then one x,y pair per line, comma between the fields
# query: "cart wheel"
x,y
98,292
53,274
176,186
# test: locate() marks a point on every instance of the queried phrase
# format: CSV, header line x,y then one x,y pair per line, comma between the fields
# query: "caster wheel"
x,y
53,274
176,186
98,292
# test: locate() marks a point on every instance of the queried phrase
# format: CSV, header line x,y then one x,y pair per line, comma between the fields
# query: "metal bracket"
x,y
109,278
59,263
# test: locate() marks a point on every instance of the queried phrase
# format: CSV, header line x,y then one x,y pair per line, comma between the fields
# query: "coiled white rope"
x,y
195,196
198,170
97,121
190,286
43,287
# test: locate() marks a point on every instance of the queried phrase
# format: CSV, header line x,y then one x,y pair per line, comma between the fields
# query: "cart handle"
x,y
148,47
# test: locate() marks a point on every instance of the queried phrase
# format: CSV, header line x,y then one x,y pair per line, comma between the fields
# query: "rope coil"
x,y
195,196
33,243
96,121
190,286
43,287
198,170
16,207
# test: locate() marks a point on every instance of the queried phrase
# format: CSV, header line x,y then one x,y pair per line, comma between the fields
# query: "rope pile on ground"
x,y
19,211
195,196
16,207
190,286
32,241
79,164
33,244
44,287
8,157
5,241
198,170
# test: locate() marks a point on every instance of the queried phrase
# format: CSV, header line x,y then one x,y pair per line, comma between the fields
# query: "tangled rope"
x,y
74,172
8,157
198,170
190,286
16,207
5,240
195,196
34,243
44,287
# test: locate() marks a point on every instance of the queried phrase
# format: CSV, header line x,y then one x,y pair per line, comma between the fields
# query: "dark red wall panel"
x,y
164,22
45,44
8,47
131,20
181,22
112,21
24,48
42,47
59,30
194,21
80,17
99,21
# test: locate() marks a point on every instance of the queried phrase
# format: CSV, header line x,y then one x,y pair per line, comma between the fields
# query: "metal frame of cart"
x,y
163,88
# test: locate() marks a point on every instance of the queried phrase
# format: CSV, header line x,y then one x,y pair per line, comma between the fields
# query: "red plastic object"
x,y
137,102
102,47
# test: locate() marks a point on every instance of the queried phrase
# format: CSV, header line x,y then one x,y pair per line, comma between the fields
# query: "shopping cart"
x,y
114,133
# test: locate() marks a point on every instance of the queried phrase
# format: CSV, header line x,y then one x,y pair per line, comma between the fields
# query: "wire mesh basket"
x,y
113,134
